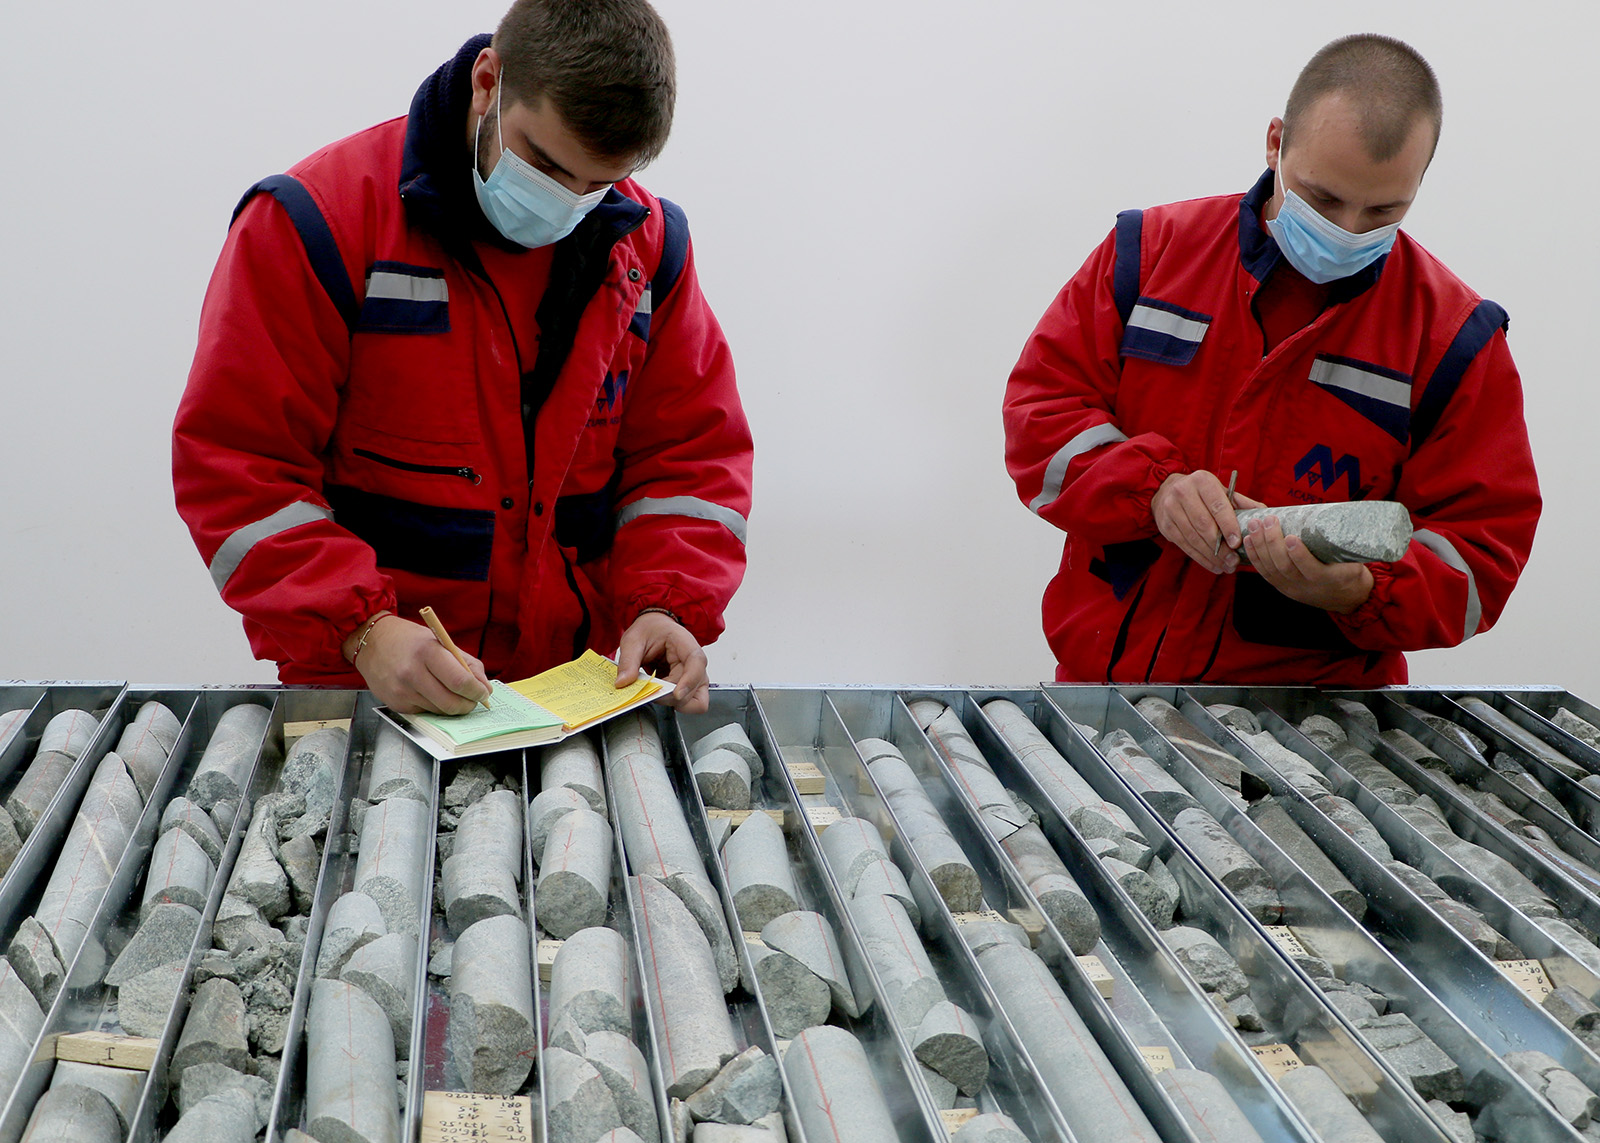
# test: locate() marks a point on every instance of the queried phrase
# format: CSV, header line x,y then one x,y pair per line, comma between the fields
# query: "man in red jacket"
x,y
462,359
1292,335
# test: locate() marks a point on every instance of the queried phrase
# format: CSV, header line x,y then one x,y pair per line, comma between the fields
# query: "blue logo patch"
x,y
616,385
1318,469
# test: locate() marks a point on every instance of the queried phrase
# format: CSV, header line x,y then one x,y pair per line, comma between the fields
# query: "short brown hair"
x,y
1392,84
605,65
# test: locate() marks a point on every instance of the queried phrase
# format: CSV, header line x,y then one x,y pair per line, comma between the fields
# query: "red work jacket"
x,y
358,433
1151,362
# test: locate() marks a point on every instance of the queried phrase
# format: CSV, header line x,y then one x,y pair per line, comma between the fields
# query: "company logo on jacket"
x,y
1318,468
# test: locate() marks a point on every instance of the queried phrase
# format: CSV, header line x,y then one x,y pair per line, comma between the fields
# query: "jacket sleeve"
x,y
247,442
686,458
1072,463
1474,501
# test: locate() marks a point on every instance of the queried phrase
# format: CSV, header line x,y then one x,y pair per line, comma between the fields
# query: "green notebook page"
x,y
508,713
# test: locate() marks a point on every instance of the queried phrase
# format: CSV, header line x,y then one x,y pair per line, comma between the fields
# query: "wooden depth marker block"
x,y
1100,976
737,817
807,778
1277,1058
135,1052
955,1118
1528,975
461,1117
547,959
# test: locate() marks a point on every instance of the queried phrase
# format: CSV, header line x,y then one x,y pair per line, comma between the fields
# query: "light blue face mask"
x,y
1321,250
526,205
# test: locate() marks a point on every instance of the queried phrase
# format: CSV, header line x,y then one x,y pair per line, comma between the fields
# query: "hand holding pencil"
x,y
443,636
412,669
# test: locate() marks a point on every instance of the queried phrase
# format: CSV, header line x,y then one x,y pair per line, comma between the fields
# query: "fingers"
x,y
1192,511
630,656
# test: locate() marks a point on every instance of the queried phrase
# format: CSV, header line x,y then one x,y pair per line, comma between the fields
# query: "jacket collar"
x,y
436,170
1259,253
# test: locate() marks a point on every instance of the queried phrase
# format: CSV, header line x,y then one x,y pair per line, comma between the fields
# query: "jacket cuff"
x,y
1369,612
1159,471
688,612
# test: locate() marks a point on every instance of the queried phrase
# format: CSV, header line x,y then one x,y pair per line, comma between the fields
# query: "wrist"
x,y
1358,591
643,611
357,641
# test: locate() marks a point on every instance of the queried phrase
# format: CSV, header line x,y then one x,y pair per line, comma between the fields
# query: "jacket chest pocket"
x,y
412,368
1163,333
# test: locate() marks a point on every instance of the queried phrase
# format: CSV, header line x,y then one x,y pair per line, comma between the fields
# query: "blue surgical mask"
x,y
526,205
1321,250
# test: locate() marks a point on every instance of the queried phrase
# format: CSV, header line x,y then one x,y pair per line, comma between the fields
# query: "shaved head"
x,y
1390,84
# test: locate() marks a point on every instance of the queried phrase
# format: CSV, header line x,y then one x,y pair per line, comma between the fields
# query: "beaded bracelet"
x,y
366,631
659,611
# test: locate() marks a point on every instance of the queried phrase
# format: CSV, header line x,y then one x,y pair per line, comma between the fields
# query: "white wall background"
x,y
884,194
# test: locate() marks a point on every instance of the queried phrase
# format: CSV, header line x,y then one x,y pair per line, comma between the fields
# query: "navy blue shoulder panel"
x,y
1464,348
1125,276
674,250
315,235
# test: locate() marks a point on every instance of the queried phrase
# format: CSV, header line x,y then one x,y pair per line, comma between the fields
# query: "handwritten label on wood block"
x,y
753,938
293,730
1278,1059
1099,975
736,817
821,817
462,1117
1284,938
547,958
1031,923
807,778
135,1052
955,1118
1158,1059
976,918
1528,975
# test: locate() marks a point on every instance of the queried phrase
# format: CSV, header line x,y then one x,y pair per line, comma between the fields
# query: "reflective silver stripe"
x,y
1167,322
237,546
1446,551
691,506
645,302
406,287
1056,471
1334,375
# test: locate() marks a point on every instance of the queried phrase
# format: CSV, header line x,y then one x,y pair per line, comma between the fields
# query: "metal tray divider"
x,y
540,1032
35,1078
871,714
1541,701
39,849
1580,801
1391,1106
333,877
1471,823
211,705
737,706
628,926
1177,1004
1472,771
1506,1011
1415,849
806,721
24,738
79,1005
1336,936
1545,730
1502,1014
961,814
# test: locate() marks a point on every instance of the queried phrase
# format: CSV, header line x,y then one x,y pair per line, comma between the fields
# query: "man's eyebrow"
x,y
1323,192
540,155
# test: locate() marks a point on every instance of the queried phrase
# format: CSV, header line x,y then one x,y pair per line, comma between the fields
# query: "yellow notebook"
x,y
533,712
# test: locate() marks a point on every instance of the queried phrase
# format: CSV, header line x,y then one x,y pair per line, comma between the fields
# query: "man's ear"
x,y
485,74
1274,142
